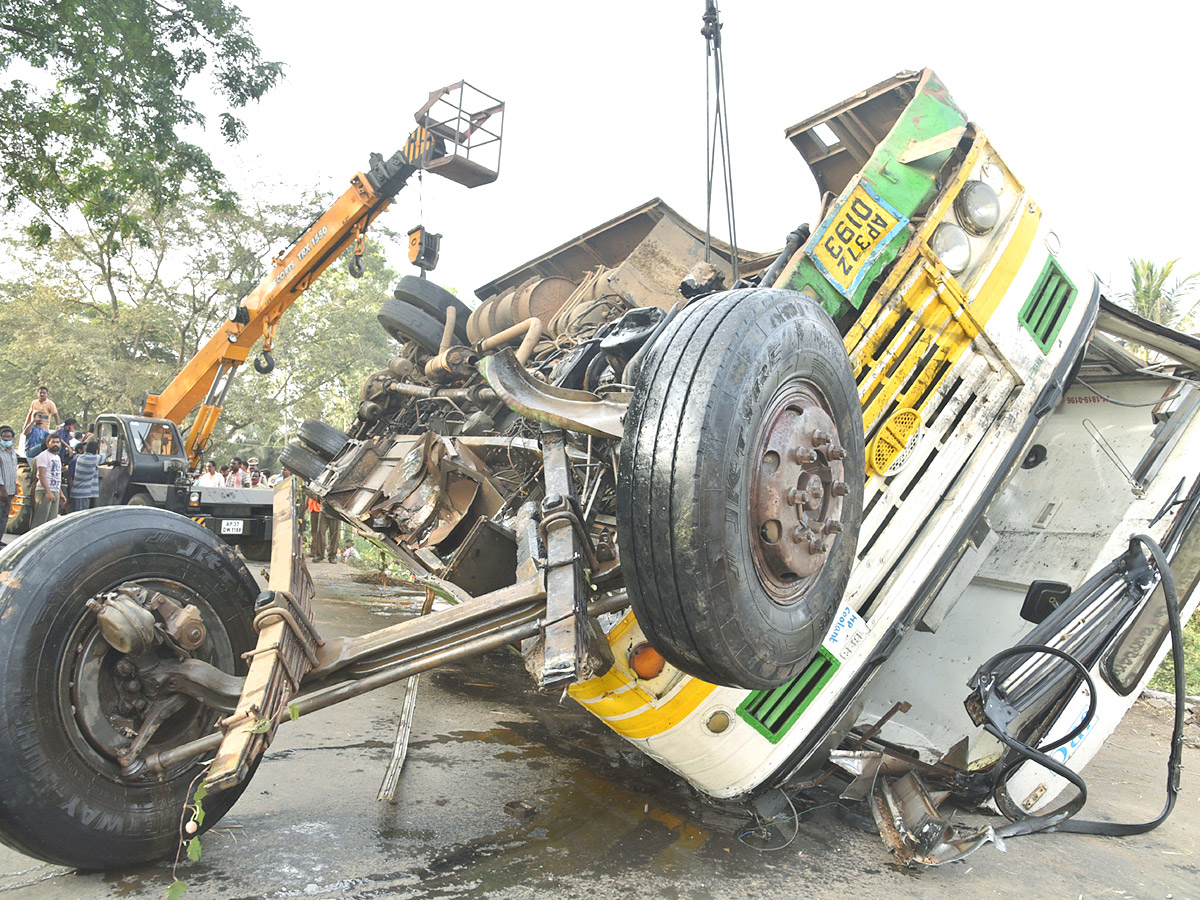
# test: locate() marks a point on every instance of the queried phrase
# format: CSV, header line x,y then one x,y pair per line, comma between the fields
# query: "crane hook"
x,y
264,363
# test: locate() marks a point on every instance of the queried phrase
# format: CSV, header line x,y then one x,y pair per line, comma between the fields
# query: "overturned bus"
x,y
761,515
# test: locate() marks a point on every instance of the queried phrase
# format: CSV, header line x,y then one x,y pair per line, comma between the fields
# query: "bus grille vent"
x,y
771,713
1046,309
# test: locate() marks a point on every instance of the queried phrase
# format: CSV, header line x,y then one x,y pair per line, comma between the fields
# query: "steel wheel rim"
x,y
88,698
796,490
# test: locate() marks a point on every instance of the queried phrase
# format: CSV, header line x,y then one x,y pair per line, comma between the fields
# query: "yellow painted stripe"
x,y
612,680
670,714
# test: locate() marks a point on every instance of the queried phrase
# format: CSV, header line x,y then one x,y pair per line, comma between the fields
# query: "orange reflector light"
x,y
646,662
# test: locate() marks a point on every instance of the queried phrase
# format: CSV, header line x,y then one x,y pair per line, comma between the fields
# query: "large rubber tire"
x,y
709,399
324,440
63,798
405,322
434,300
303,463
20,514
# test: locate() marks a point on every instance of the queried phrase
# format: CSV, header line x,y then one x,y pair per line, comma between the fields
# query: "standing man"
x,y
211,477
43,404
85,483
48,496
317,544
237,476
8,474
329,533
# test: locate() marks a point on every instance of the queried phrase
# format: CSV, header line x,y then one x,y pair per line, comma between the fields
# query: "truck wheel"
x,y
65,702
405,323
324,440
141,499
304,464
740,485
434,300
20,512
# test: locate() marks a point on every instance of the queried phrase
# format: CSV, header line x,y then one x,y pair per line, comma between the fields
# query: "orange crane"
x,y
451,127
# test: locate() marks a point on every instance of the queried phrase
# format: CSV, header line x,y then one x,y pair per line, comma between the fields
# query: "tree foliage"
x,y
95,95
1153,298
102,323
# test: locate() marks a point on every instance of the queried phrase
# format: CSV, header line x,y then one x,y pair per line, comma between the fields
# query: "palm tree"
x,y
1153,299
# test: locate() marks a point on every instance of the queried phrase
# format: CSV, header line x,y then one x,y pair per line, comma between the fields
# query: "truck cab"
x,y
145,465
143,462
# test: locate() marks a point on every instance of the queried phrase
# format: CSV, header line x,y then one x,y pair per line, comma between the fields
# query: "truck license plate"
x,y
854,237
232,526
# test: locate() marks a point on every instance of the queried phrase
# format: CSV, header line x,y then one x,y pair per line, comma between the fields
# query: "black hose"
x,y
1060,818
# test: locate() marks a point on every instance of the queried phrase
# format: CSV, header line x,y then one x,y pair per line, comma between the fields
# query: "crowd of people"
x,y
238,473
64,462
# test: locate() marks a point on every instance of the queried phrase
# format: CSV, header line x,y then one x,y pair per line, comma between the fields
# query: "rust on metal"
x,y
796,490
284,654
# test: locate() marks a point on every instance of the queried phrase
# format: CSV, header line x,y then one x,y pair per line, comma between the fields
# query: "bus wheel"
x,y
322,439
740,486
301,462
69,701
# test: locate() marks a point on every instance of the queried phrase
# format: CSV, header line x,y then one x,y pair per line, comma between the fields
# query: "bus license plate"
x,y
850,241
233,526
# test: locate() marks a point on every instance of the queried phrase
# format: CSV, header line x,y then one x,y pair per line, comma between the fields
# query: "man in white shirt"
x,y
48,496
210,477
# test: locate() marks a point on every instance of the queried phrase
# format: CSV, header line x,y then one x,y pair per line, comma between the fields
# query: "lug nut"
x,y
820,438
839,489
833,526
804,456
817,545
801,534
836,451
797,497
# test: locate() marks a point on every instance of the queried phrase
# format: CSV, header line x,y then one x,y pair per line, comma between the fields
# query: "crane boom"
x,y
205,379
442,142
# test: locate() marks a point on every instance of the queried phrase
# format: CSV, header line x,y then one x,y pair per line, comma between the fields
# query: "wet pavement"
x,y
587,815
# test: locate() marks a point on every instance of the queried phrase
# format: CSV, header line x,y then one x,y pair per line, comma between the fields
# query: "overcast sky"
x,y
605,110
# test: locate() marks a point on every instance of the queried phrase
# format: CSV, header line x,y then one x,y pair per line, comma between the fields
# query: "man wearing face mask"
x,y
8,474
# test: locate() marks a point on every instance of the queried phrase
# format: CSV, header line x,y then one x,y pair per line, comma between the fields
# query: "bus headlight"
x,y
952,247
977,207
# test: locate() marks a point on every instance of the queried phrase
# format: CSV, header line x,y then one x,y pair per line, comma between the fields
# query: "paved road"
x,y
608,823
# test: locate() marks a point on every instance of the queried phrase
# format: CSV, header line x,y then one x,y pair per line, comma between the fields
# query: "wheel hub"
x,y
796,490
104,695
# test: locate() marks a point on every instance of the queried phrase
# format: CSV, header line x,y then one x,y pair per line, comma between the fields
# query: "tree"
x,y
1151,297
96,95
103,323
